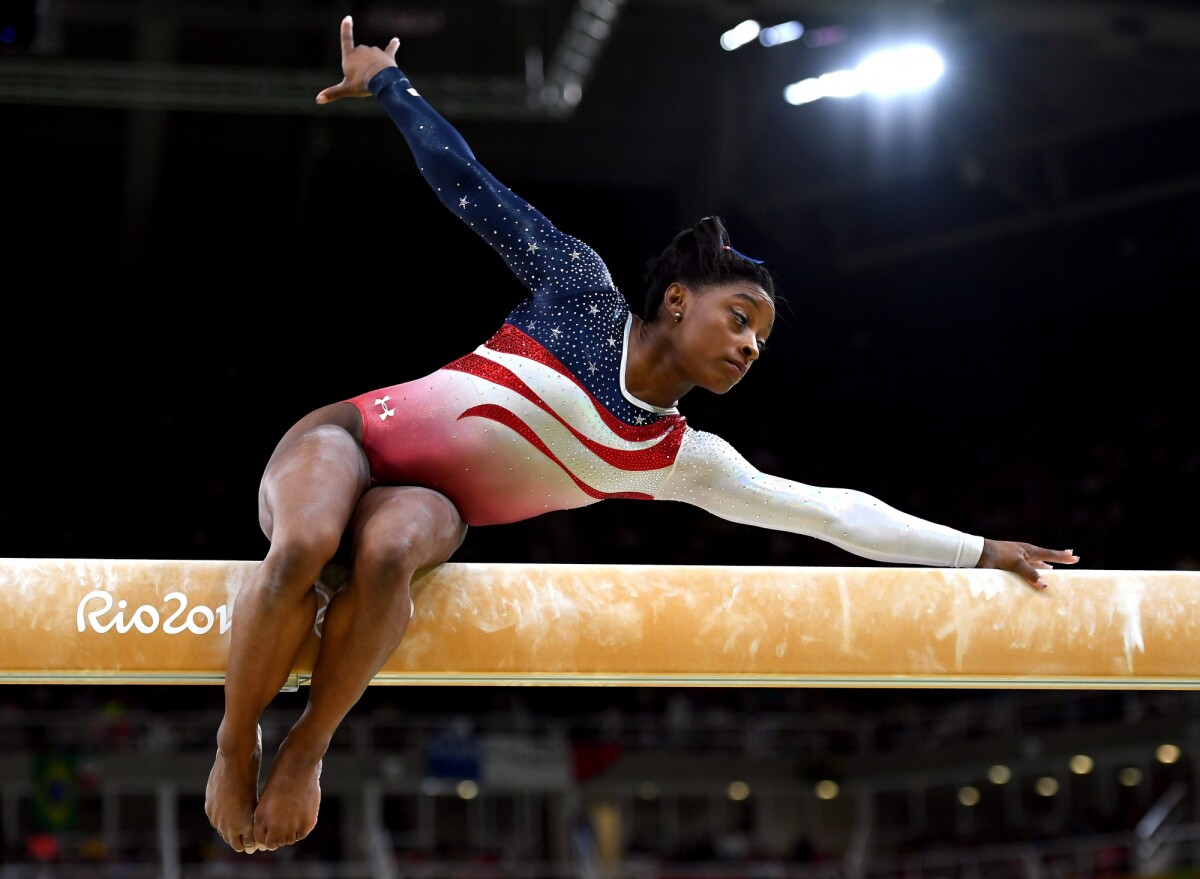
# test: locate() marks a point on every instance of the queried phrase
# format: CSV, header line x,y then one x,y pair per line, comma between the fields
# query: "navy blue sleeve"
x,y
547,261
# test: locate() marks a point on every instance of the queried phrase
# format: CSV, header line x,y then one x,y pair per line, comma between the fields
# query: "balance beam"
x,y
117,621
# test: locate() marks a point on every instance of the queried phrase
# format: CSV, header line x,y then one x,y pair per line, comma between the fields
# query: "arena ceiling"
x,y
1051,112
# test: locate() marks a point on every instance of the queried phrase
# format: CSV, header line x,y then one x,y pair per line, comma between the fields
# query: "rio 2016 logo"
x,y
95,608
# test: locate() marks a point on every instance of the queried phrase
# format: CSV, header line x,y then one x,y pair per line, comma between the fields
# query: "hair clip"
x,y
742,255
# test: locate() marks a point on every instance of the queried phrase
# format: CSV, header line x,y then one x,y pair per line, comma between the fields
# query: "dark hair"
x,y
697,257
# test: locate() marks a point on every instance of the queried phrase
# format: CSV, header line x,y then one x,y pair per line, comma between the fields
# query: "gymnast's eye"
x,y
743,321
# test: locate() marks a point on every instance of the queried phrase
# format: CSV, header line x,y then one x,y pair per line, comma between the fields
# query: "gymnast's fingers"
x,y
347,37
1030,572
1057,556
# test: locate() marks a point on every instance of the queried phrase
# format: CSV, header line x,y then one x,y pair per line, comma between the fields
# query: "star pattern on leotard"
x,y
573,308
584,332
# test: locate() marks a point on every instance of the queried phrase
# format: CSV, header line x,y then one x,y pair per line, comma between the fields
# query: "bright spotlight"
x,y
906,69
883,74
803,92
738,36
835,84
781,33
840,83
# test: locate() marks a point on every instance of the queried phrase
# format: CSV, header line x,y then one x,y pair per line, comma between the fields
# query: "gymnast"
x,y
572,401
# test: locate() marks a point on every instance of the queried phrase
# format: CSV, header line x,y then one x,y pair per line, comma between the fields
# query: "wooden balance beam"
x,y
117,621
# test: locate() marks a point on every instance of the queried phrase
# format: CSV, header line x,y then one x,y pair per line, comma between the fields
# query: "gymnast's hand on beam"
x,y
1024,559
359,64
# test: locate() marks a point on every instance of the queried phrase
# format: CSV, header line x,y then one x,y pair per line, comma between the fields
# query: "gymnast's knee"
x,y
384,563
293,565
409,532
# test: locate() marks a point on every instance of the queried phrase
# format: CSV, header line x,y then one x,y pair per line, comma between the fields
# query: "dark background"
x,y
989,286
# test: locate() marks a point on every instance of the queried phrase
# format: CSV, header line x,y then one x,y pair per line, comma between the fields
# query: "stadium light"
x,y
885,73
906,69
785,32
740,35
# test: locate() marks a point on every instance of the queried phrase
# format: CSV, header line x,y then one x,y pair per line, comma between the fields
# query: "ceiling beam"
x,y
48,79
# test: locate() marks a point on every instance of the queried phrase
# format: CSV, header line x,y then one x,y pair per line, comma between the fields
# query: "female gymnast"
x,y
572,401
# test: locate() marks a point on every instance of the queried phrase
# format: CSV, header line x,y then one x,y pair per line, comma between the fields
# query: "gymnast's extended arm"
x,y
712,474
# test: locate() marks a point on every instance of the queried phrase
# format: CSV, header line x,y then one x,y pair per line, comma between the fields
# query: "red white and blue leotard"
x,y
537,418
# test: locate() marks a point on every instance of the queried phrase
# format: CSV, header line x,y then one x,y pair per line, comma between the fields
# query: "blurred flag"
x,y
55,791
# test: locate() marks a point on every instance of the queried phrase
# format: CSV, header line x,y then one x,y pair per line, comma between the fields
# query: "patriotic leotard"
x,y
537,418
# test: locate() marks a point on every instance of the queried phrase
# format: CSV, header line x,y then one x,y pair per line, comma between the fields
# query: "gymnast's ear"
x,y
673,299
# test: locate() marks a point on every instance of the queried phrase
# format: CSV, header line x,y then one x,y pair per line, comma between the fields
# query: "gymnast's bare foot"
x,y
287,808
232,794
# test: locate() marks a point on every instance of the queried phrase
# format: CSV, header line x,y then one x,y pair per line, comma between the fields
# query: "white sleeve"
x,y
711,474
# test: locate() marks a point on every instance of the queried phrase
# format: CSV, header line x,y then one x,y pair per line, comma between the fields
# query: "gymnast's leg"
x,y
311,485
395,533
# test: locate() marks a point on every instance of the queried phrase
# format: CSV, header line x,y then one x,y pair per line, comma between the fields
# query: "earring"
x,y
678,316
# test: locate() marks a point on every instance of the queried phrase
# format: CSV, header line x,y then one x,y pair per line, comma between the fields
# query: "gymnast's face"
x,y
722,330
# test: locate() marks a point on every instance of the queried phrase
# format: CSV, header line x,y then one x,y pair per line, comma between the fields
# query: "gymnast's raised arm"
x,y
533,248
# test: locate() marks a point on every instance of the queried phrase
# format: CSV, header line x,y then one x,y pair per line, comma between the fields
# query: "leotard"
x,y
538,417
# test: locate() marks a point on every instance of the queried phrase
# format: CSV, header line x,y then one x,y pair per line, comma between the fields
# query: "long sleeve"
x,y
711,474
535,251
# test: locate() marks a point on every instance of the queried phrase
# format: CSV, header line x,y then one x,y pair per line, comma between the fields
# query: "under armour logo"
x,y
386,411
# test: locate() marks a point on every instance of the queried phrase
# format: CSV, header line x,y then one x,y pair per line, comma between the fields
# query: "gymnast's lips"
x,y
739,366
